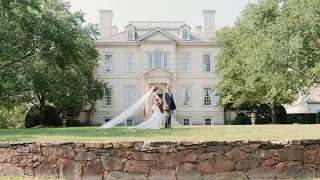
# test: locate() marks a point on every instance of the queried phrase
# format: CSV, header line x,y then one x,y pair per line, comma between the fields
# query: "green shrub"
x,y
318,117
51,117
73,123
281,114
241,120
32,118
302,118
264,113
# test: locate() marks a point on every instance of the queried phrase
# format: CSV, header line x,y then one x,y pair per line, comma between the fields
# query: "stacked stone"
x,y
163,160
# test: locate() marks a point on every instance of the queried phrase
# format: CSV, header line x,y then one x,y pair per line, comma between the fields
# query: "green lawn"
x,y
178,133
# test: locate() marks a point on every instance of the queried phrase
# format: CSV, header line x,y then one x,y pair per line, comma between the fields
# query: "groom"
x,y
168,106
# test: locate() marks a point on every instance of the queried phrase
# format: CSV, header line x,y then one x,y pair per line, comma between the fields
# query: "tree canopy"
x,y
270,54
47,55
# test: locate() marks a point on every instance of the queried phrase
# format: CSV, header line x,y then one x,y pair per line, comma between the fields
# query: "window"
x,y
108,99
165,61
130,63
129,95
186,122
185,66
207,121
207,100
107,119
186,96
185,34
206,63
130,35
158,59
130,122
108,63
150,61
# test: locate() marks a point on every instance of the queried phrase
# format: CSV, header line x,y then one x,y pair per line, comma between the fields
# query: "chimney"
x,y
208,23
106,23
198,30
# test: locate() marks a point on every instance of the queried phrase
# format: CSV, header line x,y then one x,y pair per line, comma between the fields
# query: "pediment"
x,y
158,35
158,73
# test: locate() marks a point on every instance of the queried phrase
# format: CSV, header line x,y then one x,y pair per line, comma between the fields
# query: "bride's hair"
x,y
155,88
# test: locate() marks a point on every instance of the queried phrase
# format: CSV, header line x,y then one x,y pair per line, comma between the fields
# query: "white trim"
x,y
185,89
105,66
126,121
204,121
158,30
129,92
129,57
112,98
104,119
188,64
210,95
190,122
210,61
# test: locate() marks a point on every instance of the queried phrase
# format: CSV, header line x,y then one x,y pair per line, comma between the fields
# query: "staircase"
x,y
174,121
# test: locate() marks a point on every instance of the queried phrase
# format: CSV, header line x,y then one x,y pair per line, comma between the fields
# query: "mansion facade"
x,y
159,53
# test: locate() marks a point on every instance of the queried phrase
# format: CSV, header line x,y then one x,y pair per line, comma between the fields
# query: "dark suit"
x,y
168,98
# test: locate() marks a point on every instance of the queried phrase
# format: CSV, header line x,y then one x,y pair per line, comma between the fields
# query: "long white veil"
x,y
128,112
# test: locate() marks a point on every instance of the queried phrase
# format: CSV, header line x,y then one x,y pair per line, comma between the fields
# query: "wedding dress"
x,y
154,122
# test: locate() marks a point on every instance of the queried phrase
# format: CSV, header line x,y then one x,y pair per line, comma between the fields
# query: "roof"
x,y
121,36
184,26
313,96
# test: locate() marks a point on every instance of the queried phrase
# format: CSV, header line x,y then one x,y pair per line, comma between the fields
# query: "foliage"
x,y
241,120
12,117
51,117
70,112
47,55
72,123
302,118
318,118
270,54
263,113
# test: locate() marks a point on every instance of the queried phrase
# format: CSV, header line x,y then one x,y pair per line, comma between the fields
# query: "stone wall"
x,y
163,160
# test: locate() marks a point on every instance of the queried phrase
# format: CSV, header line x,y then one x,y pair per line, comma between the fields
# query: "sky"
x,y
227,11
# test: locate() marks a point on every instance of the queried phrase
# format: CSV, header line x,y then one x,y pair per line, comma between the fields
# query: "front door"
x,y
161,106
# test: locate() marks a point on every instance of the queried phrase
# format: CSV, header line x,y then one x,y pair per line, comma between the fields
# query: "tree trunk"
x,y
41,110
273,113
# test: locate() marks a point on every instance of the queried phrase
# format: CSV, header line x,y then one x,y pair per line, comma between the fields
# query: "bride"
x,y
154,122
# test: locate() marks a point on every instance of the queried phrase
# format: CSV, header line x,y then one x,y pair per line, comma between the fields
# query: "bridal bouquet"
x,y
158,101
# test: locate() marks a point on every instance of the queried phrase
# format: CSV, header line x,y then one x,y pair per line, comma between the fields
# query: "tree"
x,y
270,54
47,55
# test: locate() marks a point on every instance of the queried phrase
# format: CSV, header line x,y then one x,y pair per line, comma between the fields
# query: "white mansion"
x,y
159,53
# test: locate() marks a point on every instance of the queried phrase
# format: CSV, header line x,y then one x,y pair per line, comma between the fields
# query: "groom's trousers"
x,y
168,118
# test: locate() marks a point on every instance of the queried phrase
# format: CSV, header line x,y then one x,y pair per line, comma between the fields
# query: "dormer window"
x,y
130,32
184,32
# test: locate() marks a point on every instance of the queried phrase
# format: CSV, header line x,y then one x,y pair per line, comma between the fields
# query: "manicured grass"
x,y
178,133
